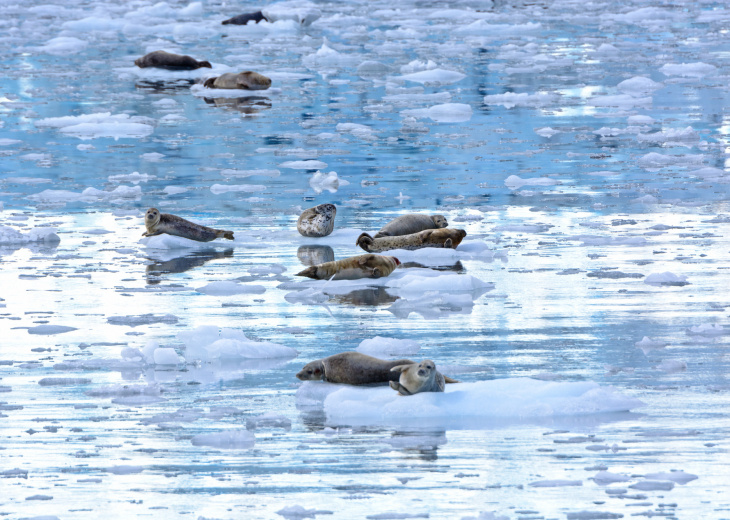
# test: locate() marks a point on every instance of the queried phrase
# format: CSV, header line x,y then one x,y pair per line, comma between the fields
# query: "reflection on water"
x,y
246,105
369,297
315,254
182,263
173,85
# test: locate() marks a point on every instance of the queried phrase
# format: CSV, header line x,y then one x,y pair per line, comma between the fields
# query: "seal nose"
x,y
421,372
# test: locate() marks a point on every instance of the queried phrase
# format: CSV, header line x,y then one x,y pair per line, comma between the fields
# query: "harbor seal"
x,y
352,368
243,81
243,19
353,268
445,237
411,223
170,61
158,223
318,221
418,377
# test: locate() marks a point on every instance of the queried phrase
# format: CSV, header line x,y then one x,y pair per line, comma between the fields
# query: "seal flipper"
x,y
220,233
148,234
449,244
365,241
310,272
447,379
209,82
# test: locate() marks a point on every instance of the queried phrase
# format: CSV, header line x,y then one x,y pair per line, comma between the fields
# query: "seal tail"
x,y
310,272
449,380
221,233
365,241
209,82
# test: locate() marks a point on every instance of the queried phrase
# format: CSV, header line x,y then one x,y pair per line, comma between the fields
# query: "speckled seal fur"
x,y
158,223
351,368
243,80
318,221
411,223
353,268
418,377
170,61
446,237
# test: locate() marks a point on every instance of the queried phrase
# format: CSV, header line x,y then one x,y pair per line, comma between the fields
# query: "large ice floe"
x,y
92,126
515,399
208,342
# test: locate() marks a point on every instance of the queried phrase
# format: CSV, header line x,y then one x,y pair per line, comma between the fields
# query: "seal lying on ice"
x,y
158,223
353,268
418,377
243,81
411,223
446,237
170,61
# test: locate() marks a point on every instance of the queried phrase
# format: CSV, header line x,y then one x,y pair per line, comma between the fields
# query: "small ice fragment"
x,y
235,440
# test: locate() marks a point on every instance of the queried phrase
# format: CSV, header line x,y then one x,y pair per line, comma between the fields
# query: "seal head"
x,y
418,377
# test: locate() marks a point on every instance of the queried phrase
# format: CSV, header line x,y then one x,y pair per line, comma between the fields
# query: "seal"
x,y
418,377
243,81
445,237
158,223
411,223
353,268
352,368
318,221
170,61
243,19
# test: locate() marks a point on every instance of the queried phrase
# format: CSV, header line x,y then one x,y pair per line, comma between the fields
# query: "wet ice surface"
x,y
582,146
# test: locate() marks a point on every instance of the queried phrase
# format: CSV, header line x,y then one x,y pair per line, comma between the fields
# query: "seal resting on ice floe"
x,y
170,61
243,81
445,237
353,268
418,377
318,221
411,223
158,223
351,368
243,19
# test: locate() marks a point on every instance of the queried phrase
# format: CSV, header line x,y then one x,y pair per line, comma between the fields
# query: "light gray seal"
x,y
243,81
351,368
158,223
411,223
170,61
353,268
419,377
318,221
446,237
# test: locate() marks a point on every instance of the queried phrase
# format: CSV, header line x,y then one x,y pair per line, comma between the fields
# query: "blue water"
x,y
572,250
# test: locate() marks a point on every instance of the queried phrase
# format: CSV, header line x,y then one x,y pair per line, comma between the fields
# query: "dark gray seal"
x,y
158,223
243,81
411,223
351,368
170,61
243,19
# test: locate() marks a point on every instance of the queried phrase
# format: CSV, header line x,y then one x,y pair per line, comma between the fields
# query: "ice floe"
x,y
209,342
92,126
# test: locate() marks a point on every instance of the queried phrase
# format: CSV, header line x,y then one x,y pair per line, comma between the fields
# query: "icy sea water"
x,y
583,148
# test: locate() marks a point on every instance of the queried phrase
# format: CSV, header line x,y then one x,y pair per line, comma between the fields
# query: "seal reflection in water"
x,y
353,268
318,221
245,105
170,61
411,223
419,377
243,80
317,254
351,368
447,237
158,223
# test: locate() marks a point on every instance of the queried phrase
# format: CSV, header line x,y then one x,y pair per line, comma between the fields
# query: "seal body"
x,y
243,81
170,61
158,223
351,368
353,268
445,237
318,221
418,377
243,19
412,223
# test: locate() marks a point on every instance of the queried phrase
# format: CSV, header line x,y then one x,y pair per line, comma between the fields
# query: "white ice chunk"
x,y
304,165
514,182
690,70
680,477
434,76
639,86
134,177
298,512
326,181
231,440
302,12
381,347
655,161
48,330
209,342
358,130
665,278
226,288
445,113
672,365
91,126
89,195
647,344
707,330
10,236
603,478
62,45
512,99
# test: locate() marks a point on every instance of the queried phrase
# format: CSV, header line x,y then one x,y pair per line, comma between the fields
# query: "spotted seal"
x,y
351,368
411,223
243,19
243,81
419,377
353,268
446,237
158,223
170,61
318,221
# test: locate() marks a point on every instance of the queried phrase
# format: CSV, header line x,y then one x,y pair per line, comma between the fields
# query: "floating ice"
x,y
268,420
328,57
219,189
224,288
445,113
358,130
603,478
10,236
556,483
125,469
304,165
89,195
516,398
514,182
708,330
326,181
62,45
301,11
512,99
672,365
64,381
665,278
230,440
639,86
381,347
690,70
546,132
488,31
92,126
653,485
134,177
50,329
298,512
142,319
434,76
624,101
678,476
208,342
684,137
647,344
